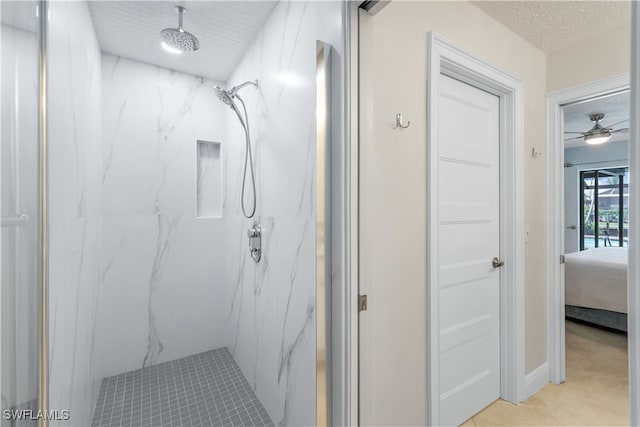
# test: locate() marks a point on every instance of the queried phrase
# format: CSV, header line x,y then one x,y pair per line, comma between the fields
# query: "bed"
x,y
596,286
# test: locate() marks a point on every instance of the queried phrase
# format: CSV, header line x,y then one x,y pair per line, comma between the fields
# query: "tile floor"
x,y
206,389
596,392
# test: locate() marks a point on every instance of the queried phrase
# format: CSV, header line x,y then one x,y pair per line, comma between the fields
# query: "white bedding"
x,y
597,278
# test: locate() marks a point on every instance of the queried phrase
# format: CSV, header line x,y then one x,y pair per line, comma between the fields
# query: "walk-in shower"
x,y
127,206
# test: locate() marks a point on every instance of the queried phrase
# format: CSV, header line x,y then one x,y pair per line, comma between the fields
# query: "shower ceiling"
x,y
225,29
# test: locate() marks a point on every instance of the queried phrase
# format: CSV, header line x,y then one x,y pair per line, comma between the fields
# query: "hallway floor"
x,y
596,392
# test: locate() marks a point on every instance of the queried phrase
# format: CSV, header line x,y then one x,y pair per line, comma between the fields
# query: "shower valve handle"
x,y
255,241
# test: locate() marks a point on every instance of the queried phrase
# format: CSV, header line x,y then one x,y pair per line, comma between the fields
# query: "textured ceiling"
x,y
225,30
614,107
553,25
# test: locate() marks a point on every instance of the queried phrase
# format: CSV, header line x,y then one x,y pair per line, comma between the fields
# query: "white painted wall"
x,y
393,192
582,63
595,156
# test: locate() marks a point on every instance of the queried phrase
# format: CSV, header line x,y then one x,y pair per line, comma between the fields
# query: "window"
x,y
604,205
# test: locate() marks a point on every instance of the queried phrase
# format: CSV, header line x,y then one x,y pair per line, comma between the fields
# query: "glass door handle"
x,y
572,227
16,220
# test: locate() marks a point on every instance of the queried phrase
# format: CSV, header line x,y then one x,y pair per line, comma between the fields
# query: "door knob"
x,y
496,262
572,227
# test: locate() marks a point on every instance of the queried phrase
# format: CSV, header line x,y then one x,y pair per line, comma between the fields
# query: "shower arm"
x,y
180,11
235,89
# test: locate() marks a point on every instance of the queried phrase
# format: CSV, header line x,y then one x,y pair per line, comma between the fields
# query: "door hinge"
x,y
362,303
561,259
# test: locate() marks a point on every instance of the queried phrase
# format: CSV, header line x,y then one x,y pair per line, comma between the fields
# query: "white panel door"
x,y
571,214
469,238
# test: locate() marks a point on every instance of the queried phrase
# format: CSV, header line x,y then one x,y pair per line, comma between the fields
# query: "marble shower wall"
x,y
162,293
271,308
74,137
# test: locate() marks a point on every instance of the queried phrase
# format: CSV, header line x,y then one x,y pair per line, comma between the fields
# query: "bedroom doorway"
x,y
588,173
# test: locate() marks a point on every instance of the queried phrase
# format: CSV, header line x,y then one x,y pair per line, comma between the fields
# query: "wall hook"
x,y
535,154
399,123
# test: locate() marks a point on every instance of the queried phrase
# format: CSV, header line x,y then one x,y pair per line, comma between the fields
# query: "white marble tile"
x,y
163,294
163,267
297,305
252,305
282,122
73,299
74,137
152,120
191,292
74,119
155,282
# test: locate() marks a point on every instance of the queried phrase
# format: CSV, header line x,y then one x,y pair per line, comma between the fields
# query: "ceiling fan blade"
x,y
571,139
581,133
617,123
619,130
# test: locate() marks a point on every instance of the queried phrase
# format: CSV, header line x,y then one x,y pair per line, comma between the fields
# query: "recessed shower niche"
x,y
208,179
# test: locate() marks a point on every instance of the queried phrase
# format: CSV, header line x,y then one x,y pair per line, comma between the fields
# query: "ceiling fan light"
x,y
598,138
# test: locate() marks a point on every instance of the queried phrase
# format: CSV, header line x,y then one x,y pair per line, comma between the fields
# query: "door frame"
x,y
634,231
449,59
555,212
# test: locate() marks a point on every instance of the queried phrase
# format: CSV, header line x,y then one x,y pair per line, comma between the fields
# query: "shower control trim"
x,y
255,241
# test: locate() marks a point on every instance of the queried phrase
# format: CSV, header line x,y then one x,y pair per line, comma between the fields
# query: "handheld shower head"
x,y
223,95
227,96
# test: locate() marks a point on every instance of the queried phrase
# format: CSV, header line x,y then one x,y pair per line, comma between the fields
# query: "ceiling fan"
x,y
598,134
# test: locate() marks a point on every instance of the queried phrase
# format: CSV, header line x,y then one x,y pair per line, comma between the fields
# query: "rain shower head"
x,y
177,40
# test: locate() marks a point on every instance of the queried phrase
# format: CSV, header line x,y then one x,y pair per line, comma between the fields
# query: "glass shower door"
x,y
19,211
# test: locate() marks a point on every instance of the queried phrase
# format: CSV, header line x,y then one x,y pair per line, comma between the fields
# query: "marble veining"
x,y
153,117
274,301
163,293
108,162
75,172
167,229
152,280
237,298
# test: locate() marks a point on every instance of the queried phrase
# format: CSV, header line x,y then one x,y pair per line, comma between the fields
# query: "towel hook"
x,y
535,154
399,123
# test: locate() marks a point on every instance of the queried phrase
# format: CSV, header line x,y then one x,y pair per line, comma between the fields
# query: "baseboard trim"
x,y
536,379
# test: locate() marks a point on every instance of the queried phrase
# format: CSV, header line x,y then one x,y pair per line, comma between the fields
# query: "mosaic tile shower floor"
x,y
206,389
